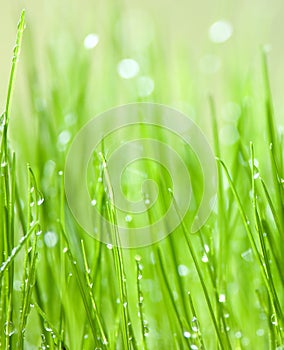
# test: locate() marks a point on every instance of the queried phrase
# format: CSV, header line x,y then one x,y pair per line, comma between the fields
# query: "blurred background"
x,y
81,58
170,24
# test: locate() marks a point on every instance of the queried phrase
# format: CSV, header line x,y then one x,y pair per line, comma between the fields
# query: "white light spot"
x,y
260,332
255,163
50,239
229,135
91,41
205,258
220,32
238,335
222,298
245,341
128,218
93,202
183,270
186,334
70,119
128,68
64,137
145,86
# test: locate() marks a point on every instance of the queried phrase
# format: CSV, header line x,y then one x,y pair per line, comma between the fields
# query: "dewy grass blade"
x,y
181,320
143,322
127,333
195,323
82,288
6,264
16,53
266,263
40,283
202,281
253,243
275,152
93,302
54,333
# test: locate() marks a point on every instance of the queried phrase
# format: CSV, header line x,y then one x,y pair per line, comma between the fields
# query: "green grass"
x,y
221,288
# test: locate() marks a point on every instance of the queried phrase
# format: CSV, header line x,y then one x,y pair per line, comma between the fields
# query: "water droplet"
x,y
147,201
50,239
220,31
32,204
137,257
125,304
9,329
32,306
141,298
194,325
146,331
91,41
274,320
47,327
183,270
205,258
60,172
128,68
38,233
222,298
255,163
206,248
193,347
145,86
139,276
65,250
109,246
128,218
93,202
247,255
186,334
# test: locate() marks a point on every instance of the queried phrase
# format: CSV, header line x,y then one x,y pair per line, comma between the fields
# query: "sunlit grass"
x,y
221,288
